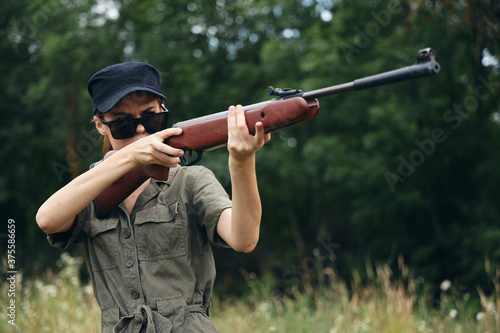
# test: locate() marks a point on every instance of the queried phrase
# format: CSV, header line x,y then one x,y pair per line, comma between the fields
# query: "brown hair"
x,y
106,145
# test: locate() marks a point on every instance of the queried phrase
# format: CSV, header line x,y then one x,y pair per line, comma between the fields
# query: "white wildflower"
x,y
479,315
66,259
39,285
490,307
421,326
445,285
50,290
264,307
453,313
74,281
88,289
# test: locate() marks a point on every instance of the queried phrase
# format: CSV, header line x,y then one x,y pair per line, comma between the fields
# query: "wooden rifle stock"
x,y
289,108
210,132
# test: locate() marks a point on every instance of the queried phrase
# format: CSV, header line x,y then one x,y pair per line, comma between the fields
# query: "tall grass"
x,y
54,303
59,303
384,305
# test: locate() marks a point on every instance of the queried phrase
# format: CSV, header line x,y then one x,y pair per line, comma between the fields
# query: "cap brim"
x,y
109,103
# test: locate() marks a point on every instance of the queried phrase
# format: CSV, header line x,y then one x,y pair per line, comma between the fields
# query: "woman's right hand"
x,y
151,149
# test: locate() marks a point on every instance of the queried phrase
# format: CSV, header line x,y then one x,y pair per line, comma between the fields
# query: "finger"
x,y
168,132
166,160
152,150
162,136
231,123
165,155
267,138
165,149
260,133
241,121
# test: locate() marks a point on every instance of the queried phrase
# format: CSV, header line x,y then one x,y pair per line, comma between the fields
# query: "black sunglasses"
x,y
125,128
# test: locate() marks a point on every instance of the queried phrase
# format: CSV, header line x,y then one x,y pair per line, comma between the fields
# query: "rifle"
x,y
290,107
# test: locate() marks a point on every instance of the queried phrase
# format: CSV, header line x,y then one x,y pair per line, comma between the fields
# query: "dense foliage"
x,y
405,170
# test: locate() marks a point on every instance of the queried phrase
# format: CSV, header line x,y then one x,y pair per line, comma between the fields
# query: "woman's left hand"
x,y
241,144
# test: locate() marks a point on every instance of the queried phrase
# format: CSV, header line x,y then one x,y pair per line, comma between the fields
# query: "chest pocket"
x,y
102,243
160,233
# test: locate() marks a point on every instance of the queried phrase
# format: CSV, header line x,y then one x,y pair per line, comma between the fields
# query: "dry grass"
x,y
58,303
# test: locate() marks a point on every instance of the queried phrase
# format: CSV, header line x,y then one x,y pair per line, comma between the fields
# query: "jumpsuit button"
x,y
135,294
126,233
129,263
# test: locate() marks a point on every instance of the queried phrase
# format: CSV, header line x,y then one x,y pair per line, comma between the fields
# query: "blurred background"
x,y
401,173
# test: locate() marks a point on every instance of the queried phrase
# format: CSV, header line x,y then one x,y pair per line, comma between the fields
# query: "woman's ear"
x,y
99,125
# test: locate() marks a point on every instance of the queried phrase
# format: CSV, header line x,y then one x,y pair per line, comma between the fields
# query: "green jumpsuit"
x,y
153,270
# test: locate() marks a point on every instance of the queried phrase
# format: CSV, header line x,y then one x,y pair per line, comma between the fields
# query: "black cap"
x,y
111,84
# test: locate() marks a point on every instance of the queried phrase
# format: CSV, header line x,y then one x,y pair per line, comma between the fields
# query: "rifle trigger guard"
x,y
189,158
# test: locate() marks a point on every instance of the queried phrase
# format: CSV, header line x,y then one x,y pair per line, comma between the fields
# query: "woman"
x,y
150,259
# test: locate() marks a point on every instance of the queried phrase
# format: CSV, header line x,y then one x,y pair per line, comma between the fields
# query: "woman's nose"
x,y
140,129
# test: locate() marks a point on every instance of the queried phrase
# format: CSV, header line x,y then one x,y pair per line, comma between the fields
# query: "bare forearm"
x,y
59,211
246,209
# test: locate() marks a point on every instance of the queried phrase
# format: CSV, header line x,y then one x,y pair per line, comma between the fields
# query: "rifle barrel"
x,y
397,75
337,89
